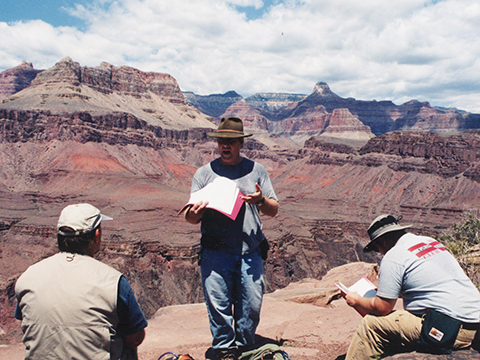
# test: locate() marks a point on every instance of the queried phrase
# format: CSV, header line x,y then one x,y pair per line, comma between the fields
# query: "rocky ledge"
x,y
308,319
469,354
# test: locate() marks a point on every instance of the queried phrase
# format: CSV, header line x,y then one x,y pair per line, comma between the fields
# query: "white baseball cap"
x,y
82,218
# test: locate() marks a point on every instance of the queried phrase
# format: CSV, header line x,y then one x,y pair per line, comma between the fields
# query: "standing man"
x,y
73,306
231,261
432,285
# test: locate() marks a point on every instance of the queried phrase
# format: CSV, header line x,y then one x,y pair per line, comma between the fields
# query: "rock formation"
x,y
343,124
273,101
114,128
442,155
157,99
301,115
127,142
253,118
212,105
67,87
16,79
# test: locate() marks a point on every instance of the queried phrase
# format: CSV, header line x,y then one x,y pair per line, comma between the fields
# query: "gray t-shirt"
x,y
427,276
244,234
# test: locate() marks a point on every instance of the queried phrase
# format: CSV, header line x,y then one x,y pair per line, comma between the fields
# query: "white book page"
x,y
221,194
342,287
364,288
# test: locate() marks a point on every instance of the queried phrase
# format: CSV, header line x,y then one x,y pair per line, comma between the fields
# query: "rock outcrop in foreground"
x,y
308,319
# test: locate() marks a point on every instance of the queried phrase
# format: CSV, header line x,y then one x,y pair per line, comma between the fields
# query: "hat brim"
x,y
105,217
230,135
371,245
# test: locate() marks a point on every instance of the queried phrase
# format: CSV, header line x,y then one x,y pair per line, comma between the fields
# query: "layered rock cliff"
x,y
273,101
68,87
16,79
114,128
291,115
213,105
157,99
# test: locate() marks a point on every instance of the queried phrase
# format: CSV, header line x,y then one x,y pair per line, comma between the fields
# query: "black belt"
x,y
470,326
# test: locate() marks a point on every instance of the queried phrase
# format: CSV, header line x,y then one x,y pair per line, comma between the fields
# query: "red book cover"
x,y
222,195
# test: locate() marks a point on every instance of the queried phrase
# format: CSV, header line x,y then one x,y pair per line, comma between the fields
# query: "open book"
x,y
362,287
222,195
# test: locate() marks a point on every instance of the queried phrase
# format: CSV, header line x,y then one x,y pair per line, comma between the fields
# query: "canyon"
x,y
129,142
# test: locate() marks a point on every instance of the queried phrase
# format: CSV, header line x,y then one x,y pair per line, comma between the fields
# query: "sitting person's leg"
x,y
465,337
379,334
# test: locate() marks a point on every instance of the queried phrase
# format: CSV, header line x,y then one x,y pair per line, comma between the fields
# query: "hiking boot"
x,y
230,354
222,354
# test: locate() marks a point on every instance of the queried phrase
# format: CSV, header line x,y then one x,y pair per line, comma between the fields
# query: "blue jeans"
x,y
233,287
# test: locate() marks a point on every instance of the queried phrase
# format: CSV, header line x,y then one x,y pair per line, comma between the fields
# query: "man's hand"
x,y
195,212
352,298
268,206
254,198
134,340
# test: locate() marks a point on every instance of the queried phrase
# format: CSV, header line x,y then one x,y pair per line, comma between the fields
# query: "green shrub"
x,y
461,240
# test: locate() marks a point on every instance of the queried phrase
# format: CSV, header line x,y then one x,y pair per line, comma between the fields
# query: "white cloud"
x,y
371,49
257,4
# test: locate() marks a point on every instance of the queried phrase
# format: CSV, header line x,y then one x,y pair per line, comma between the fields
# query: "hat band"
x,y
232,131
389,220
97,221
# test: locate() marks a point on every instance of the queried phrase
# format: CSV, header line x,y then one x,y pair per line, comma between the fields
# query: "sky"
x,y
425,50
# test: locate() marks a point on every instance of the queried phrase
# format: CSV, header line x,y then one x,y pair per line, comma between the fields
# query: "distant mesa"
x,y
213,105
299,116
323,89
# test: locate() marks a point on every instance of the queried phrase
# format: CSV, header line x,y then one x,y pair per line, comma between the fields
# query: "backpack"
x,y
265,352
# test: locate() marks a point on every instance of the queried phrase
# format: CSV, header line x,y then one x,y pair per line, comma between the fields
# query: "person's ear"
x,y
98,235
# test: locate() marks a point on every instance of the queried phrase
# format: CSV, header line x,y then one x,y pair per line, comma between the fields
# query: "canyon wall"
x,y
127,142
141,175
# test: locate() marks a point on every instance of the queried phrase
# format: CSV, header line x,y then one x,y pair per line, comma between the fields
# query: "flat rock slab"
x,y
456,355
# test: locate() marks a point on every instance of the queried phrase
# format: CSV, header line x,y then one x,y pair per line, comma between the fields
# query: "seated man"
x,y
427,277
73,306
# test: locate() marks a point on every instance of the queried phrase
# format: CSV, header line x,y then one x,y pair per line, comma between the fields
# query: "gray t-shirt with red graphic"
x,y
421,271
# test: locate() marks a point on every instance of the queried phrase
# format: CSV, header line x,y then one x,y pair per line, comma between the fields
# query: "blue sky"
x,y
53,12
57,12
370,49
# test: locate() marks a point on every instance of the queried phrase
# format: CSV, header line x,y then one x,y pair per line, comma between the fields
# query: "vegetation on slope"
x,y
463,242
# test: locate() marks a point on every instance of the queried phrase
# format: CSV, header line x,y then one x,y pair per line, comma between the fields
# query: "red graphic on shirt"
x,y
423,250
